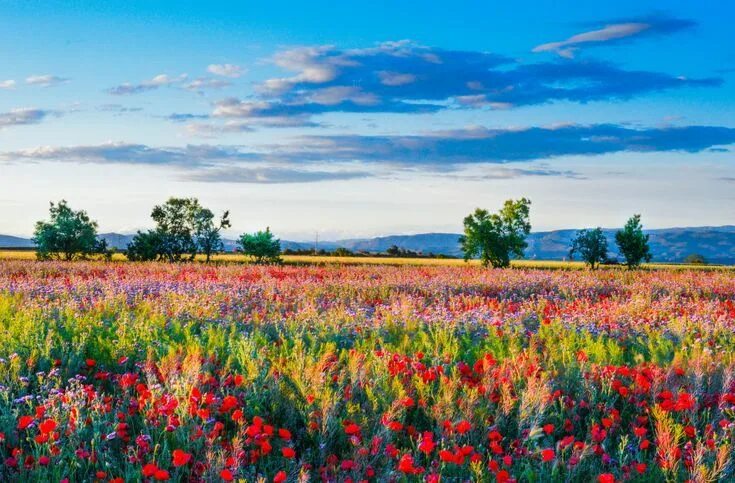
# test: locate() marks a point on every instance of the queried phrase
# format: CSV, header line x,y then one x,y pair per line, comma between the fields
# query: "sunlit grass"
x,y
368,260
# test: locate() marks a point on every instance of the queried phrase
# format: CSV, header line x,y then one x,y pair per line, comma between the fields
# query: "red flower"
x,y
463,426
149,470
548,428
280,477
24,422
284,433
427,444
161,475
180,457
226,475
47,426
547,454
606,478
288,453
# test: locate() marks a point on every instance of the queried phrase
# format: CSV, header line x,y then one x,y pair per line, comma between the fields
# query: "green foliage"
x,y
633,243
497,238
68,235
591,245
176,225
695,259
207,233
146,246
183,228
262,246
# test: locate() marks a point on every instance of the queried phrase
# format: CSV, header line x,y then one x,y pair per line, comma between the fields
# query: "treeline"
x,y
499,237
183,229
394,251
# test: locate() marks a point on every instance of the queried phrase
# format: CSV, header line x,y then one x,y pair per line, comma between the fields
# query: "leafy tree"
x,y
176,228
633,243
591,246
146,246
183,228
262,246
695,259
496,238
68,235
207,235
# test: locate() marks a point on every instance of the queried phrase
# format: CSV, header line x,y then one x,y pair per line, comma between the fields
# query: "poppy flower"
x,y
47,426
180,457
280,477
226,475
24,422
288,452
161,475
547,454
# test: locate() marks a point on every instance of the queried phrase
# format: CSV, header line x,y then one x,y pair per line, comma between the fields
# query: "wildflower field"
x,y
153,372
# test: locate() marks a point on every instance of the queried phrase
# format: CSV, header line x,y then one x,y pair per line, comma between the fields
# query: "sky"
x,y
360,119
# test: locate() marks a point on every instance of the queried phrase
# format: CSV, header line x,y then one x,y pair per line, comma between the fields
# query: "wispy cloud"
x,y
270,175
204,83
226,70
445,151
161,80
23,117
7,84
403,77
606,33
45,80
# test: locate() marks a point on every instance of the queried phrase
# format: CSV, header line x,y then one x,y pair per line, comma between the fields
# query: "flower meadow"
x,y
118,372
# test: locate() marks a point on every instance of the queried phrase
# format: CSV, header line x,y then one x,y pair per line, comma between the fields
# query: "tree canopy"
x,y
262,246
633,243
498,237
183,229
67,235
591,245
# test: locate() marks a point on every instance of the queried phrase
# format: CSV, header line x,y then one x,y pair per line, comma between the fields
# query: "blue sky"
x,y
396,117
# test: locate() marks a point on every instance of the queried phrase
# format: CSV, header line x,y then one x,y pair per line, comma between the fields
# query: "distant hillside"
x,y
7,241
716,244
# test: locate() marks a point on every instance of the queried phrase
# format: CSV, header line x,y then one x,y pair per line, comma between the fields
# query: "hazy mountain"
x,y
716,244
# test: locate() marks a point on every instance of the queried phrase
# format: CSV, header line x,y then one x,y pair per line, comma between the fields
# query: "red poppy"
x,y
606,478
280,477
547,454
47,426
226,475
288,453
24,422
161,475
180,457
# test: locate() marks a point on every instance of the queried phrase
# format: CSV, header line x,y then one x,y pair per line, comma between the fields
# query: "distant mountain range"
x,y
716,244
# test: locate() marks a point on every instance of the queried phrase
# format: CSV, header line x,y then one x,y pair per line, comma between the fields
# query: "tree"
x,y
497,238
68,235
695,259
591,246
183,228
633,243
262,246
145,247
208,233
176,226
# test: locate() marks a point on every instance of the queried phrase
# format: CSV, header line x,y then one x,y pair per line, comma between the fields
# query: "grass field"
x,y
192,372
440,262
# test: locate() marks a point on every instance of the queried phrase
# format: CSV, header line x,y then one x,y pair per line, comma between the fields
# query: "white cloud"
x,y
566,48
45,80
226,70
7,84
23,117
161,80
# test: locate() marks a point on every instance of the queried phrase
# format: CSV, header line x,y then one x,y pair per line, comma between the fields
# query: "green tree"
x,y
207,234
146,246
262,246
633,243
68,235
176,227
695,259
496,238
591,245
